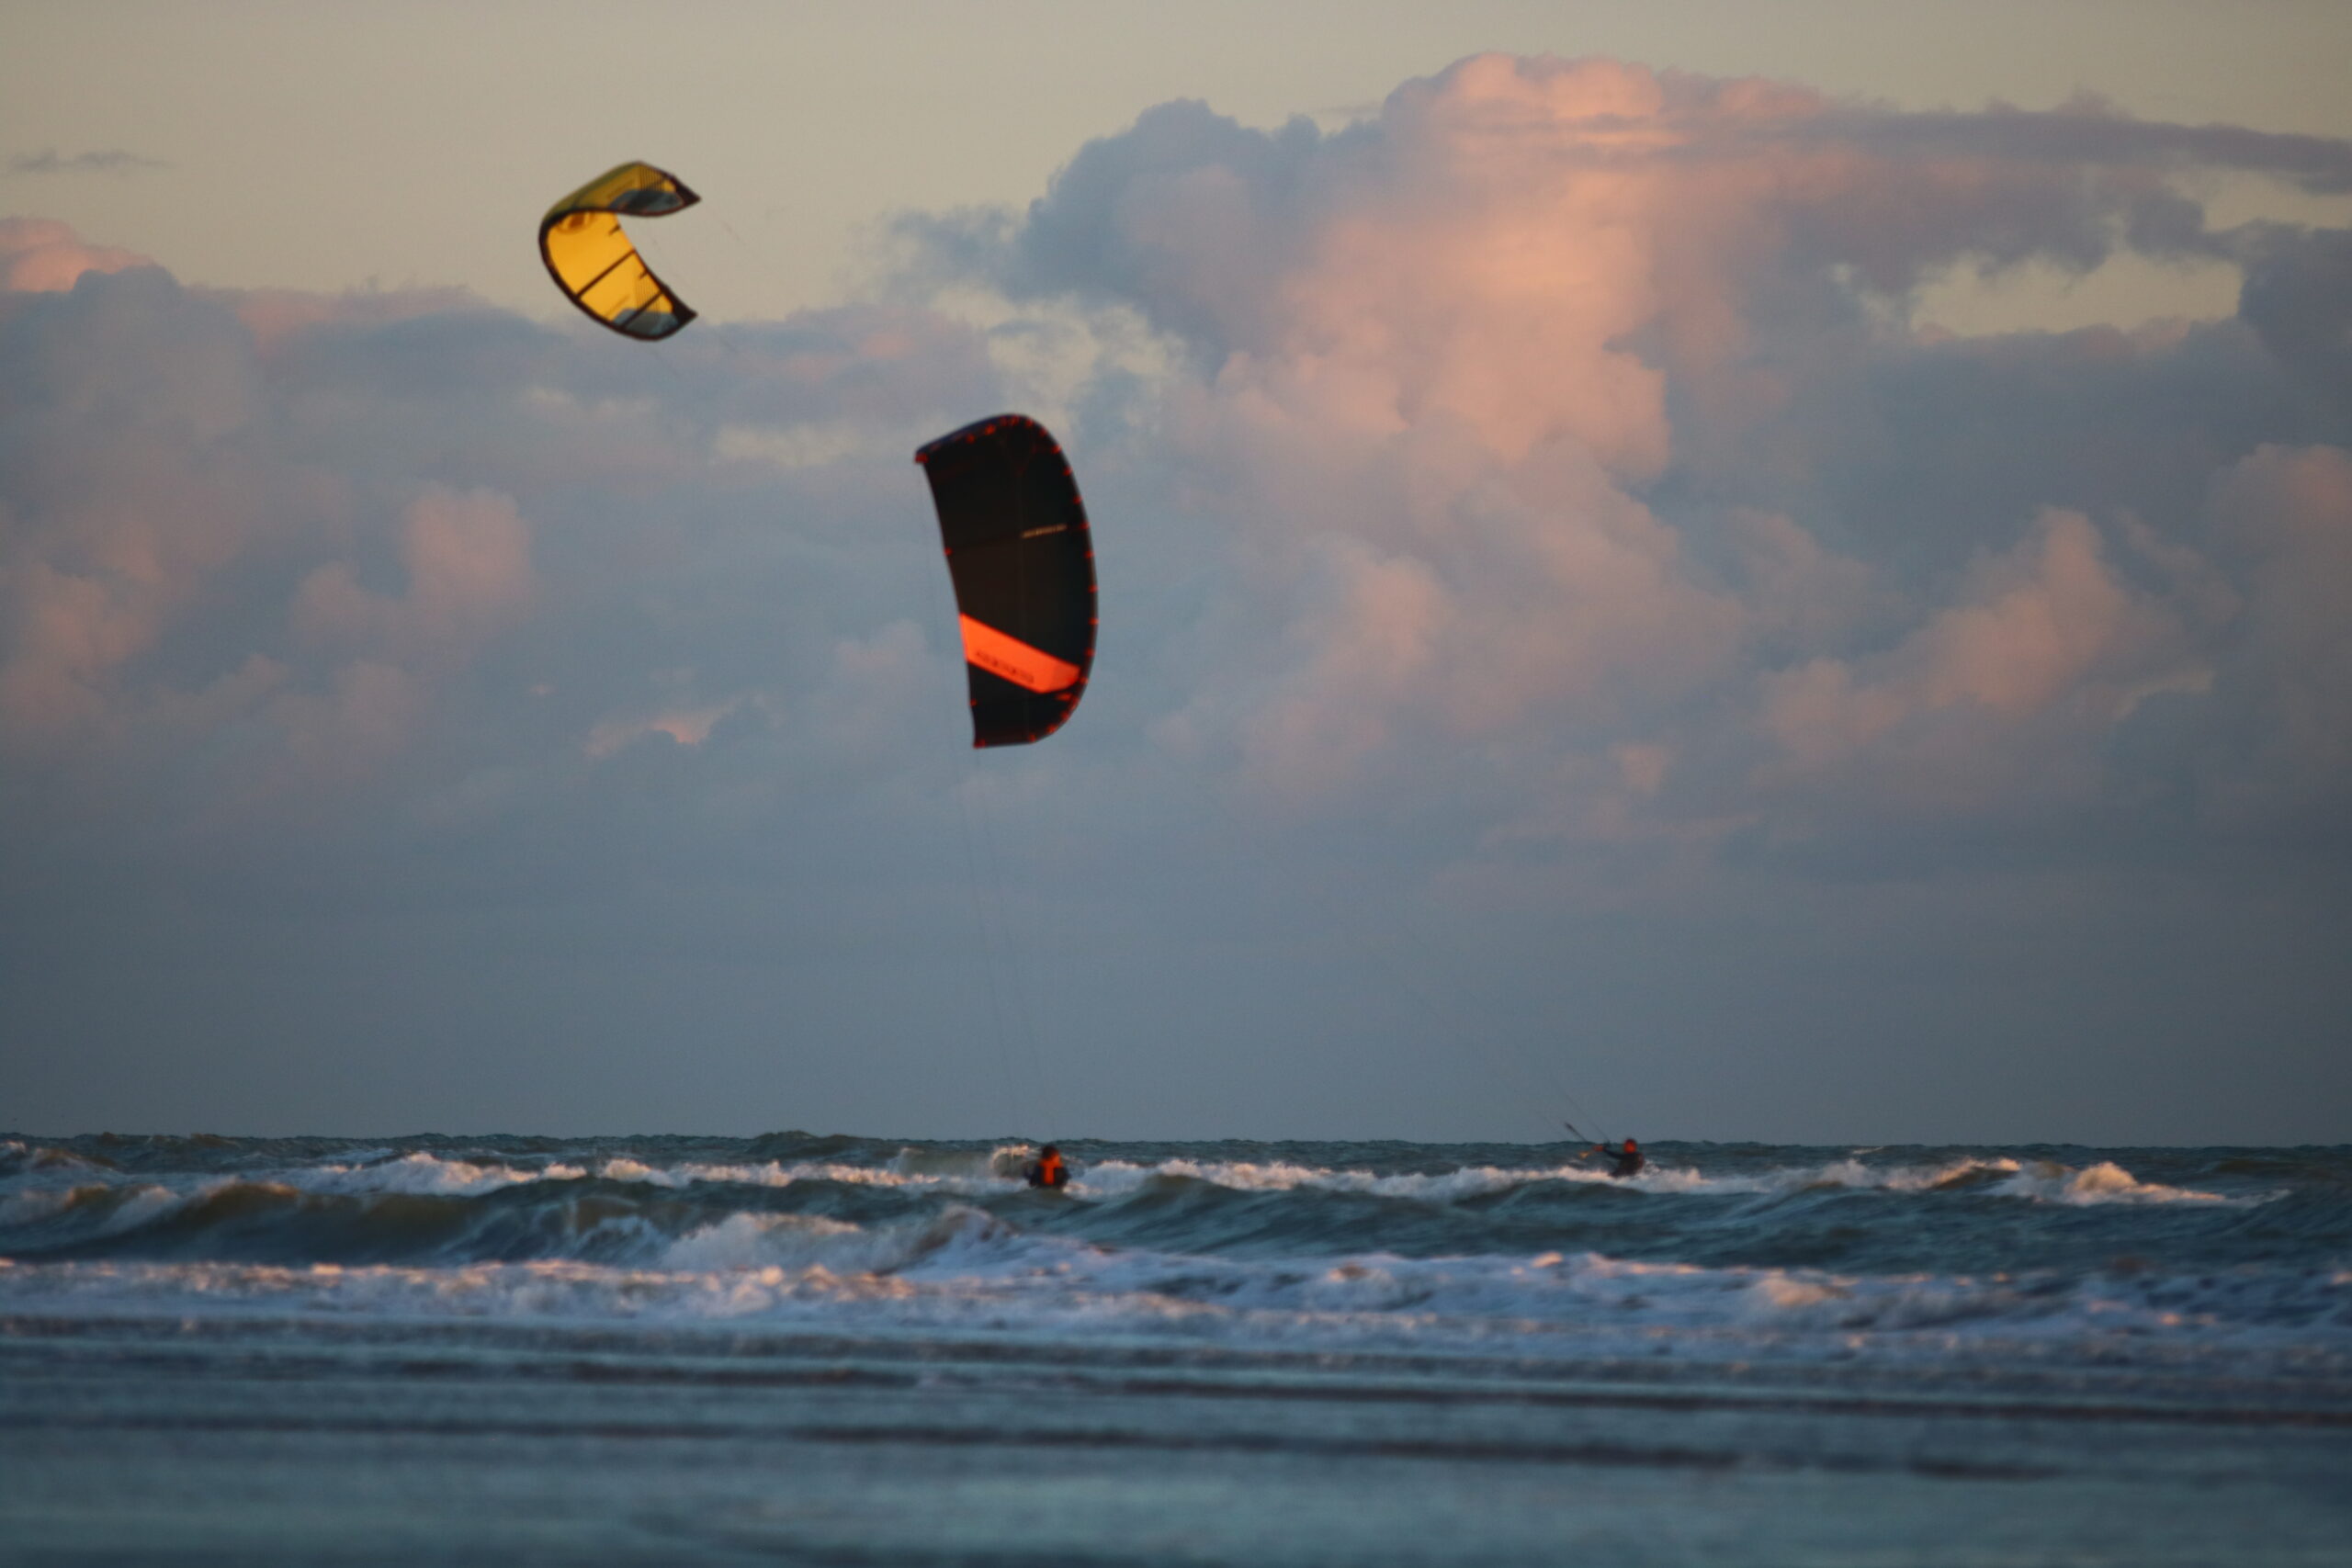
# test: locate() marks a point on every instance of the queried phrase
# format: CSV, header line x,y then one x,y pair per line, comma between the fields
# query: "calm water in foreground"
x,y
836,1351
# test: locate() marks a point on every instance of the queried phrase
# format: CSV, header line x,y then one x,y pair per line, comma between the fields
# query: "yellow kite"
x,y
593,262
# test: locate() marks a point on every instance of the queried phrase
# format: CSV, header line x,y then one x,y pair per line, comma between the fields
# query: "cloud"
x,y
1571,412
1534,509
107,161
2297,298
468,562
270,557
685,727
41,256
2087,131
2002,695
1559,431
2285,514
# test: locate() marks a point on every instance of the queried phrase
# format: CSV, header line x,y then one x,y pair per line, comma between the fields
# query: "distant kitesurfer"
x,y
1049,1169
1629,1159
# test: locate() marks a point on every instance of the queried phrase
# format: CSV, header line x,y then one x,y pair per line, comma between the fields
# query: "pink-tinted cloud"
x,y
1537,492
468,557
40,255
2008,690
686,726
262,553
1564,416
279,316
1549,414
115,519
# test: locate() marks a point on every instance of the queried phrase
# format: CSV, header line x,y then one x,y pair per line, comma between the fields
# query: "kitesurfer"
x,y
1629,1159
1048,1171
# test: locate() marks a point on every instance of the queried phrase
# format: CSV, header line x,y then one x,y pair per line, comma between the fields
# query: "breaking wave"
x,y
2087,1257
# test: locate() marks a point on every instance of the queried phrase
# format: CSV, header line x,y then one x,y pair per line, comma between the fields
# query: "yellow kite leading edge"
x,y
593,262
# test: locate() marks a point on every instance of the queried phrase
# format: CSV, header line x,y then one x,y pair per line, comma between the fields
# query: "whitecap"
x,y
424,1174
2105,1182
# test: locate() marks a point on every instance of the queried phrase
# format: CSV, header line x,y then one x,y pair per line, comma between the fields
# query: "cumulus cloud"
x,y
1562,422
2004,695
468,562
1539,495
1571,411
265,553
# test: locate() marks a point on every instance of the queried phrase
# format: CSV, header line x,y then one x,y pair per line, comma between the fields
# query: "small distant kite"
x,y
591,258
1022,562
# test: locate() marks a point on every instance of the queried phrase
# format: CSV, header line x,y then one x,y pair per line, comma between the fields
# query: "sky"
x,y
1764,571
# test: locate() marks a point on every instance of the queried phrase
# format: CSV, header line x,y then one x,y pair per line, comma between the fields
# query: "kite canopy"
x,y
1023,561
593,262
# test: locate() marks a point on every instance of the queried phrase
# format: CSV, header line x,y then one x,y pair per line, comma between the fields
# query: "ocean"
x,y
832,1349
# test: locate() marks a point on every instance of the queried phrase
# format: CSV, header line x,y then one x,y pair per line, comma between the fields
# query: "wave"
x,y
2044,1181
543,1200
259,1220
19,1157
423,1173
2098,1252
94,1208
968,1270
997,1169
771,1245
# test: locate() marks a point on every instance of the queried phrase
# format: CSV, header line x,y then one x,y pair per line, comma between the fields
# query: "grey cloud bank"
x,y
1561,616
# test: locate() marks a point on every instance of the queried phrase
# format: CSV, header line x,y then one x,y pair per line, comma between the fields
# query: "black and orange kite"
x,y
1022,562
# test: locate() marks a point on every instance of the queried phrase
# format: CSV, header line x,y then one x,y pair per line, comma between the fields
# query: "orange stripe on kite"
x,y
1032,668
